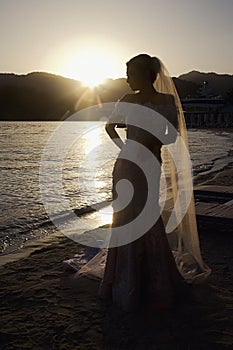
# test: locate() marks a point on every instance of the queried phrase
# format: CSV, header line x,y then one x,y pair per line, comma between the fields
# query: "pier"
x,y
207,110
199,119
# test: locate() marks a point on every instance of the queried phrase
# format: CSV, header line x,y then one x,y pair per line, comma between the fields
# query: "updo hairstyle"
x,y
145,62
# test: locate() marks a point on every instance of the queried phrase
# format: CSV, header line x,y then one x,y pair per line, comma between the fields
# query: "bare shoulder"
x,y
128,98
157,99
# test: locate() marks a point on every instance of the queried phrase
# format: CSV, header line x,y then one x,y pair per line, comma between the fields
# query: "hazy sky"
x,y
72,37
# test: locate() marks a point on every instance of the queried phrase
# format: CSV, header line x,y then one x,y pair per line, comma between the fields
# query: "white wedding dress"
x,y
155,265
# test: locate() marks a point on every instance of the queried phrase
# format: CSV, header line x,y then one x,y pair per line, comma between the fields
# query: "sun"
x,y
91,66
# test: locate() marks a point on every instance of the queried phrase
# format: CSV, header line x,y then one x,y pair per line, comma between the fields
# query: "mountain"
x,y
45,96
219,84
186,88
35,96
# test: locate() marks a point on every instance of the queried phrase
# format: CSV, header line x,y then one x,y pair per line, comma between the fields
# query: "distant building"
x,y
207,111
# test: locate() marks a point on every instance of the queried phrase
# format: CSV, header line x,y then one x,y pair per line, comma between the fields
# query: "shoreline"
x,y
222,175
18,232
44,307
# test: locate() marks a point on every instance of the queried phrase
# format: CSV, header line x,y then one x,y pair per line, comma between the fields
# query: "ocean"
x,y
88,156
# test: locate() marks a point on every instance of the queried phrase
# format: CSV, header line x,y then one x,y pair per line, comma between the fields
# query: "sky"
x,y
95,38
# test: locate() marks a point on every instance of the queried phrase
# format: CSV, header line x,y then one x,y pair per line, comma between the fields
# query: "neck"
x,y
147,91
147,88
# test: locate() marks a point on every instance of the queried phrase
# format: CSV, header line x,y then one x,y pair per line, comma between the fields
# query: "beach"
x,y
44,307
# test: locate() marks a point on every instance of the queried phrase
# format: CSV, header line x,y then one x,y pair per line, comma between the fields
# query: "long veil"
x,y
178,213
183,240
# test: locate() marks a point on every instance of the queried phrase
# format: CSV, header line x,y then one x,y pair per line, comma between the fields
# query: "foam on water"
x,y
86,181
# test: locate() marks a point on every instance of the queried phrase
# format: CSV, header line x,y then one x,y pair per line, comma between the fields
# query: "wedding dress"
x,y
152,258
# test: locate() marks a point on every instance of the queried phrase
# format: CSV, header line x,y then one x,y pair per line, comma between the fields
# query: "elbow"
x,y
109,128
171,134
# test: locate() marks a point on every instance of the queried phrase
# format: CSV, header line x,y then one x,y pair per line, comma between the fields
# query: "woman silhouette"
x,y
144,264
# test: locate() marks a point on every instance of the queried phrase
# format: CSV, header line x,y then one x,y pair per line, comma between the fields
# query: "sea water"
x,y
86,157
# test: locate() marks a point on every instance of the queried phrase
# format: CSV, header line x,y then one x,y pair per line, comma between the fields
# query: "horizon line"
x,y
109,78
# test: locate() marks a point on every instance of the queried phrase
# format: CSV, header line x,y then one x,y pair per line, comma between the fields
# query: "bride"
x,y
154,247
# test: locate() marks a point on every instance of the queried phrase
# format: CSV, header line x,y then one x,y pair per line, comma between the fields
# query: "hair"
x,y
145,62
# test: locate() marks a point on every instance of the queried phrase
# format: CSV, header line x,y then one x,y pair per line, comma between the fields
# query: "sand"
x,y
44,307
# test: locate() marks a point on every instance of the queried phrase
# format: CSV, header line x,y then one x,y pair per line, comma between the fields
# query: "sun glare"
x,y
91,67
92,140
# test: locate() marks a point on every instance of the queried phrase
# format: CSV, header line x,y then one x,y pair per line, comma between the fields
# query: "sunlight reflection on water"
x,y
87,170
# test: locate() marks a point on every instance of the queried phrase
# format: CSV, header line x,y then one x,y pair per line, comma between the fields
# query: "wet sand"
x,y
44,307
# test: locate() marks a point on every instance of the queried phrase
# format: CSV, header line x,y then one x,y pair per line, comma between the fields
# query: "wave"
x,y
15,236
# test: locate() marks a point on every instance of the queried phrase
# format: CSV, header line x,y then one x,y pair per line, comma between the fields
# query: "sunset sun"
x,y
91,67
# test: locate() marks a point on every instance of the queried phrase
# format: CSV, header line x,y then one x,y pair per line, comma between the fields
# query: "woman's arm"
x,y
111,125
110,129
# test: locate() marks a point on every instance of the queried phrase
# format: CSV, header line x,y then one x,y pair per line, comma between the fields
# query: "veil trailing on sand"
x,y
178,212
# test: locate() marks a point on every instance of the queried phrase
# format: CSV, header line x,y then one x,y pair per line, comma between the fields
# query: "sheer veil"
x,y
184,240
179,210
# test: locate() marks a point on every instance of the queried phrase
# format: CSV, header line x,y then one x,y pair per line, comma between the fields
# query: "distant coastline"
x,y
41,96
